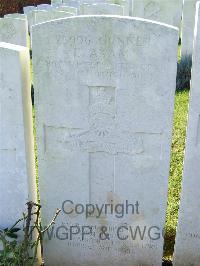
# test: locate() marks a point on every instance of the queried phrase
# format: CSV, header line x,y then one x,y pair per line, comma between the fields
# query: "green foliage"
x,y
23,250
10,249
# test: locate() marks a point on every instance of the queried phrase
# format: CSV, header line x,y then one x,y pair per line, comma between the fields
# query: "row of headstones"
x,y
104,123
45,13
14,28
163,11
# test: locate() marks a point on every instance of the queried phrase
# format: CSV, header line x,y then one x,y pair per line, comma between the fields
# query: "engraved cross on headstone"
x,y
104,140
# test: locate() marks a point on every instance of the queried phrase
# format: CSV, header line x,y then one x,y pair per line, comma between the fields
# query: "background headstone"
x,y
16,15
188,23
28,9
44,7
55,5
127,5
188,237
14,30
44,16
17,166
101,9
56,2
165,11
73,3
104,126
69,9
31,18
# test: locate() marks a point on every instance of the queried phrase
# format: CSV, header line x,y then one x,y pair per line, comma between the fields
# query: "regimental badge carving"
x,y
103,133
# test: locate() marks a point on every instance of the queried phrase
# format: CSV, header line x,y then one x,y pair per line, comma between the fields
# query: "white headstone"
x,y
74,3
44,7
38,16
127,4
165,11
17,169
104,126
93,1
188,231
101,9
31,18
189,8
56,2
28,9
117,2
14,30
16,15
69,9
128,7
44,16
55,5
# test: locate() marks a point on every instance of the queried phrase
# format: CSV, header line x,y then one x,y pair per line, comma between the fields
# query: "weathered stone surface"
x,y
16,15
127,5
44,7
38,16
56,2
31,18
14,30
55,5
69,9
28,9
101,9
104,125
17,170
188,231
44,16
159,10
189,8
74,3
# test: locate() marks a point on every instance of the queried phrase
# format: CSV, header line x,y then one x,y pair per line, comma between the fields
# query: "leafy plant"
x,y
23,251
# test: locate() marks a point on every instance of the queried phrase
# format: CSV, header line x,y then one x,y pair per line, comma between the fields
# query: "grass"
x,y
176,168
